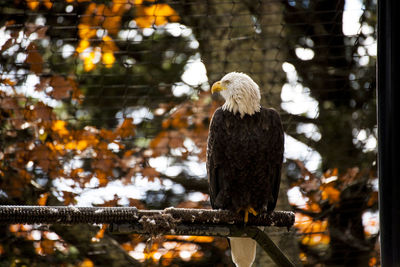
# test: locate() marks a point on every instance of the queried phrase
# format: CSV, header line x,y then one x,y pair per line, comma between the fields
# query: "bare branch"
x,y
75,215
156,222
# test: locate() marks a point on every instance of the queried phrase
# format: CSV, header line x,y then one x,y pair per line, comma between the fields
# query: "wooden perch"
x,y
172,221
75,215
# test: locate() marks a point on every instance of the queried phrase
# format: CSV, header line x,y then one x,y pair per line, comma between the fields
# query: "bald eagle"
x,y
244,156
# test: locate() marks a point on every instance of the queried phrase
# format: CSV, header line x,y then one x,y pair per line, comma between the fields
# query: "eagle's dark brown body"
x,y
244,160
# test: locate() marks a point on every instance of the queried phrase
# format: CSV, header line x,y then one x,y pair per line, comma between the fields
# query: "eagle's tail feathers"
x,y
243,250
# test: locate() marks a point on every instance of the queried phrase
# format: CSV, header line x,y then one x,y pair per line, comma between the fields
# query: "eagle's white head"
x,y
241,93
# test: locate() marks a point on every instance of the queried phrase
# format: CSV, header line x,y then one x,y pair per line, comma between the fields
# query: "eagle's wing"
x,y
272,120
266,155
211,157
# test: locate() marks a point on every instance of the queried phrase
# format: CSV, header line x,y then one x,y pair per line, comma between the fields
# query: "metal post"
x,y
388,131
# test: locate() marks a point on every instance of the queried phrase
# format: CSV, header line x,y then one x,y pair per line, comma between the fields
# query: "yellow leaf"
x,y
158,14
315,239
108,59
88,62
82,144
86,31
83,44
164,12
42,137
86,263
59,127
70,145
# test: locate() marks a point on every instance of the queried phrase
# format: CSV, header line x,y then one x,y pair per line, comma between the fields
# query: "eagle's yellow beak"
x,y
217,87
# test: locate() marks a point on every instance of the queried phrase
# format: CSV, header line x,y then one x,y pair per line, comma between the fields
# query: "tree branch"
x,y
190,183
76,215
156,222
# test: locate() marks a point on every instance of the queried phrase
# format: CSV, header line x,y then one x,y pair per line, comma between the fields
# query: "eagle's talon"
x,y
252,211
246,213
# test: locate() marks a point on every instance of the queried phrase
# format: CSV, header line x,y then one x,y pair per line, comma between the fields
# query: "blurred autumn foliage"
x,y
332,205
45,142
96,108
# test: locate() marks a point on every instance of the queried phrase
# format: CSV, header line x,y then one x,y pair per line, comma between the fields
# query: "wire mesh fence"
x,y
108,103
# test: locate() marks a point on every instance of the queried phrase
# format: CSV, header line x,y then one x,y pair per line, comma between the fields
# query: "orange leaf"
x,y
136,203
330,193
102,176
373,199
33,4
175,139
112,23
111,203
48,3
127,246
372,261
150,173
34,58
204,239
315,239
100,233
166,123
13,228
107,135
43,112
10,42
86,31
43,199
126,129
47,246
61,87
69,198
7,82
9,23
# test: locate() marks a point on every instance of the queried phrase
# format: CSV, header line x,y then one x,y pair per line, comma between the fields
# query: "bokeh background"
x,y
107,103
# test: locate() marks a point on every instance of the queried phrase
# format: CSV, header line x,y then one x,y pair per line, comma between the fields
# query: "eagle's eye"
x,y
227,81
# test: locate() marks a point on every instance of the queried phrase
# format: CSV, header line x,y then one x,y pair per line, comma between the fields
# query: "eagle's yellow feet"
x,y
246,213
252,211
